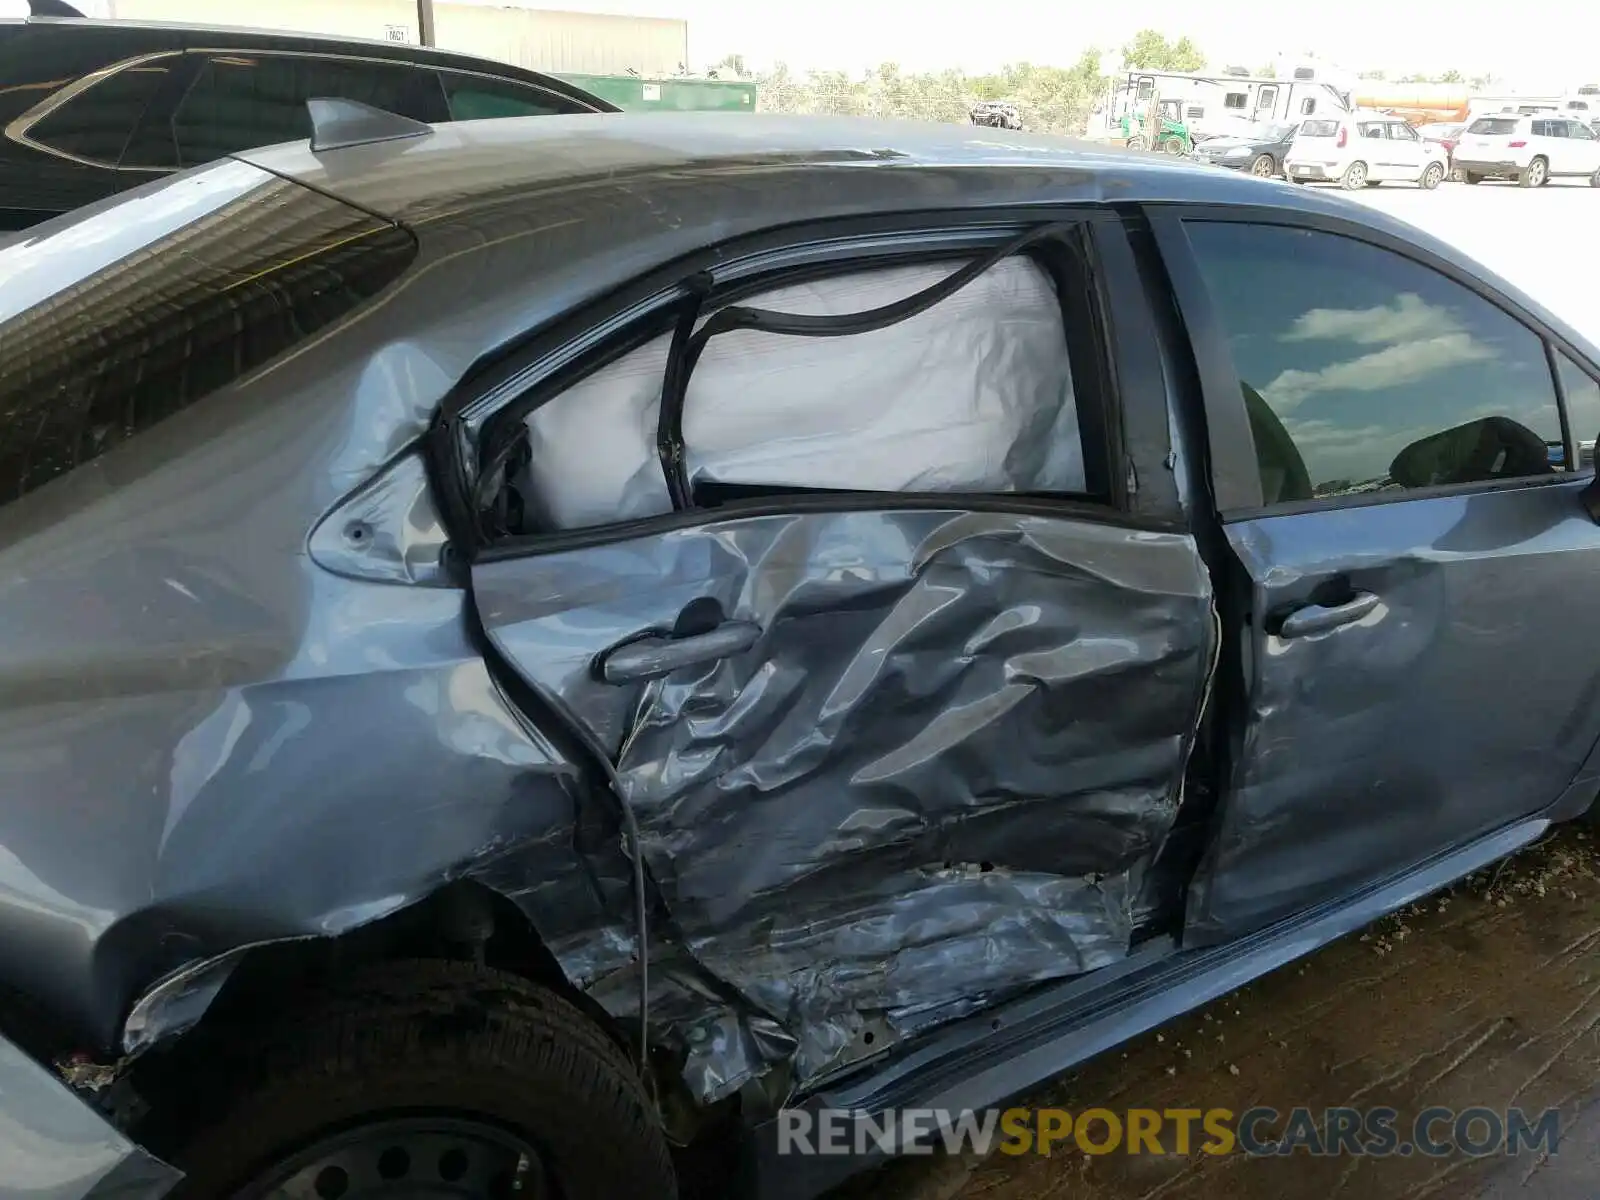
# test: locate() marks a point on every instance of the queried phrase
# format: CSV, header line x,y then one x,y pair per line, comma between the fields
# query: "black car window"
x,y
96,123
1383,373
241,101
87,364
477,97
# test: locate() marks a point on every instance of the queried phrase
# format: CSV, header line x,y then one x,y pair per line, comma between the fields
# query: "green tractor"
x,y
1171,135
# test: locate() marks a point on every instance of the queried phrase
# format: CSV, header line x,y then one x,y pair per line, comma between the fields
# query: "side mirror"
x,y
1486,449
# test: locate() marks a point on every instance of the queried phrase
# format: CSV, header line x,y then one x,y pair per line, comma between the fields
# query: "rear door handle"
x,y
1319,618
658,655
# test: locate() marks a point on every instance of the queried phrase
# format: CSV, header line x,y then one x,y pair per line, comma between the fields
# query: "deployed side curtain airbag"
x,y
972,395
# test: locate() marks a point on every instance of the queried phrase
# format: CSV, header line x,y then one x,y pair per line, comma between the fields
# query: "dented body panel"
x,y
937,776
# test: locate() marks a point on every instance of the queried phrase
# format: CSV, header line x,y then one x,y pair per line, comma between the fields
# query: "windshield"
x,y
1275,132
1319,129
1493,125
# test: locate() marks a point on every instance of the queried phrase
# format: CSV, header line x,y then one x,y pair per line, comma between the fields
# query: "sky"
x,y
1555,54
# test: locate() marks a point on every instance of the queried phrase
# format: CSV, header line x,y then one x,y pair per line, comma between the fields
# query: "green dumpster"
x,y
632,93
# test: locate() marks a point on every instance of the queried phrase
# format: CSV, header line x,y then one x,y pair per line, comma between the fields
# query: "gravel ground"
x,y
1488,995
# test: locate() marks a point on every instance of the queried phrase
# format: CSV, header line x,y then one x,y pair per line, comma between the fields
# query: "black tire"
x,y
1594,180
1354,177
1173,146
1264,167
435,1037
1535,174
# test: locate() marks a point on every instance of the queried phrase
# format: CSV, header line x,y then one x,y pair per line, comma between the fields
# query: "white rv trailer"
x,y
1219,102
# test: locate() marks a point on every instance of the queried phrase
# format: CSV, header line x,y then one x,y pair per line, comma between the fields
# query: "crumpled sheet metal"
x,y
54,1147
939,774
973,395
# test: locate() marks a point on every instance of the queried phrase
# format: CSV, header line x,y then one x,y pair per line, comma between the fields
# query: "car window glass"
x,y
1493,126
973,395
477,97
1402,132
195,298
1371,129
1583,401
96,123
241,101
1579,131
1382,373
1308,105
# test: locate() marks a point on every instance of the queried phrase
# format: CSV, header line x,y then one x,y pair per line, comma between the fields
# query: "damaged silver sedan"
x,y
532,646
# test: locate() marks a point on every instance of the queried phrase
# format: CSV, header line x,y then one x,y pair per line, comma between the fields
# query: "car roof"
x,y
700,158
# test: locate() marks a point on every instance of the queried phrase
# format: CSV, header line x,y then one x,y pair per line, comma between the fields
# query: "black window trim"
x,y
1136,438
1235,477
19,130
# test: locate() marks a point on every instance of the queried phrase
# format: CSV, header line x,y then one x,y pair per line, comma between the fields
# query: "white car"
x,y
1363,150
1532,149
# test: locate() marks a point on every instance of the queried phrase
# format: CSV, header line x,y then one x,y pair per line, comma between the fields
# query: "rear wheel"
x,y
1174,146
439,1080
1355,177
1264,166
1535,174
1594,180
1432,177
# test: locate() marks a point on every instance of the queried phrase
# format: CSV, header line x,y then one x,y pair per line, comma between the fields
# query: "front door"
x,y
1417,670
898,738
1406,149
1585,148
1372,146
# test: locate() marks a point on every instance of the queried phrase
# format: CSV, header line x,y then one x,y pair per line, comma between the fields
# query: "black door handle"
x,y
660,654
1319,618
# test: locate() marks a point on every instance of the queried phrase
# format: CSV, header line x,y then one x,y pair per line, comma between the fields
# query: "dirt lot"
x,y
1488,995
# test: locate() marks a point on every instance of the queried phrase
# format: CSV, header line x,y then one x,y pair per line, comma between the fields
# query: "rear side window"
x,y
155,322
1319,129
96,123
241,101
1493,126
977,394
1367,372
479,97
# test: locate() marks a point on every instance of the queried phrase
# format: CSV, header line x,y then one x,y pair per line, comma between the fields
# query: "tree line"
x,y
1051,99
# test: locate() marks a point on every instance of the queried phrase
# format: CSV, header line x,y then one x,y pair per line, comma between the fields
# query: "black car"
x,y
1260,150
90,108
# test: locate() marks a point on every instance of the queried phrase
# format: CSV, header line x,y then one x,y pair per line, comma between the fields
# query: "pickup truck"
x,y
532,647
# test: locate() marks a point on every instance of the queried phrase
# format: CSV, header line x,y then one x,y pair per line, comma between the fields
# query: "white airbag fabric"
x,y
974,395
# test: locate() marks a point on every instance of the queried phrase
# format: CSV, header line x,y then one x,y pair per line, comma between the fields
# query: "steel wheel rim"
x,y
1433,176
1536,172
409,1158
1358,174
1263,167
